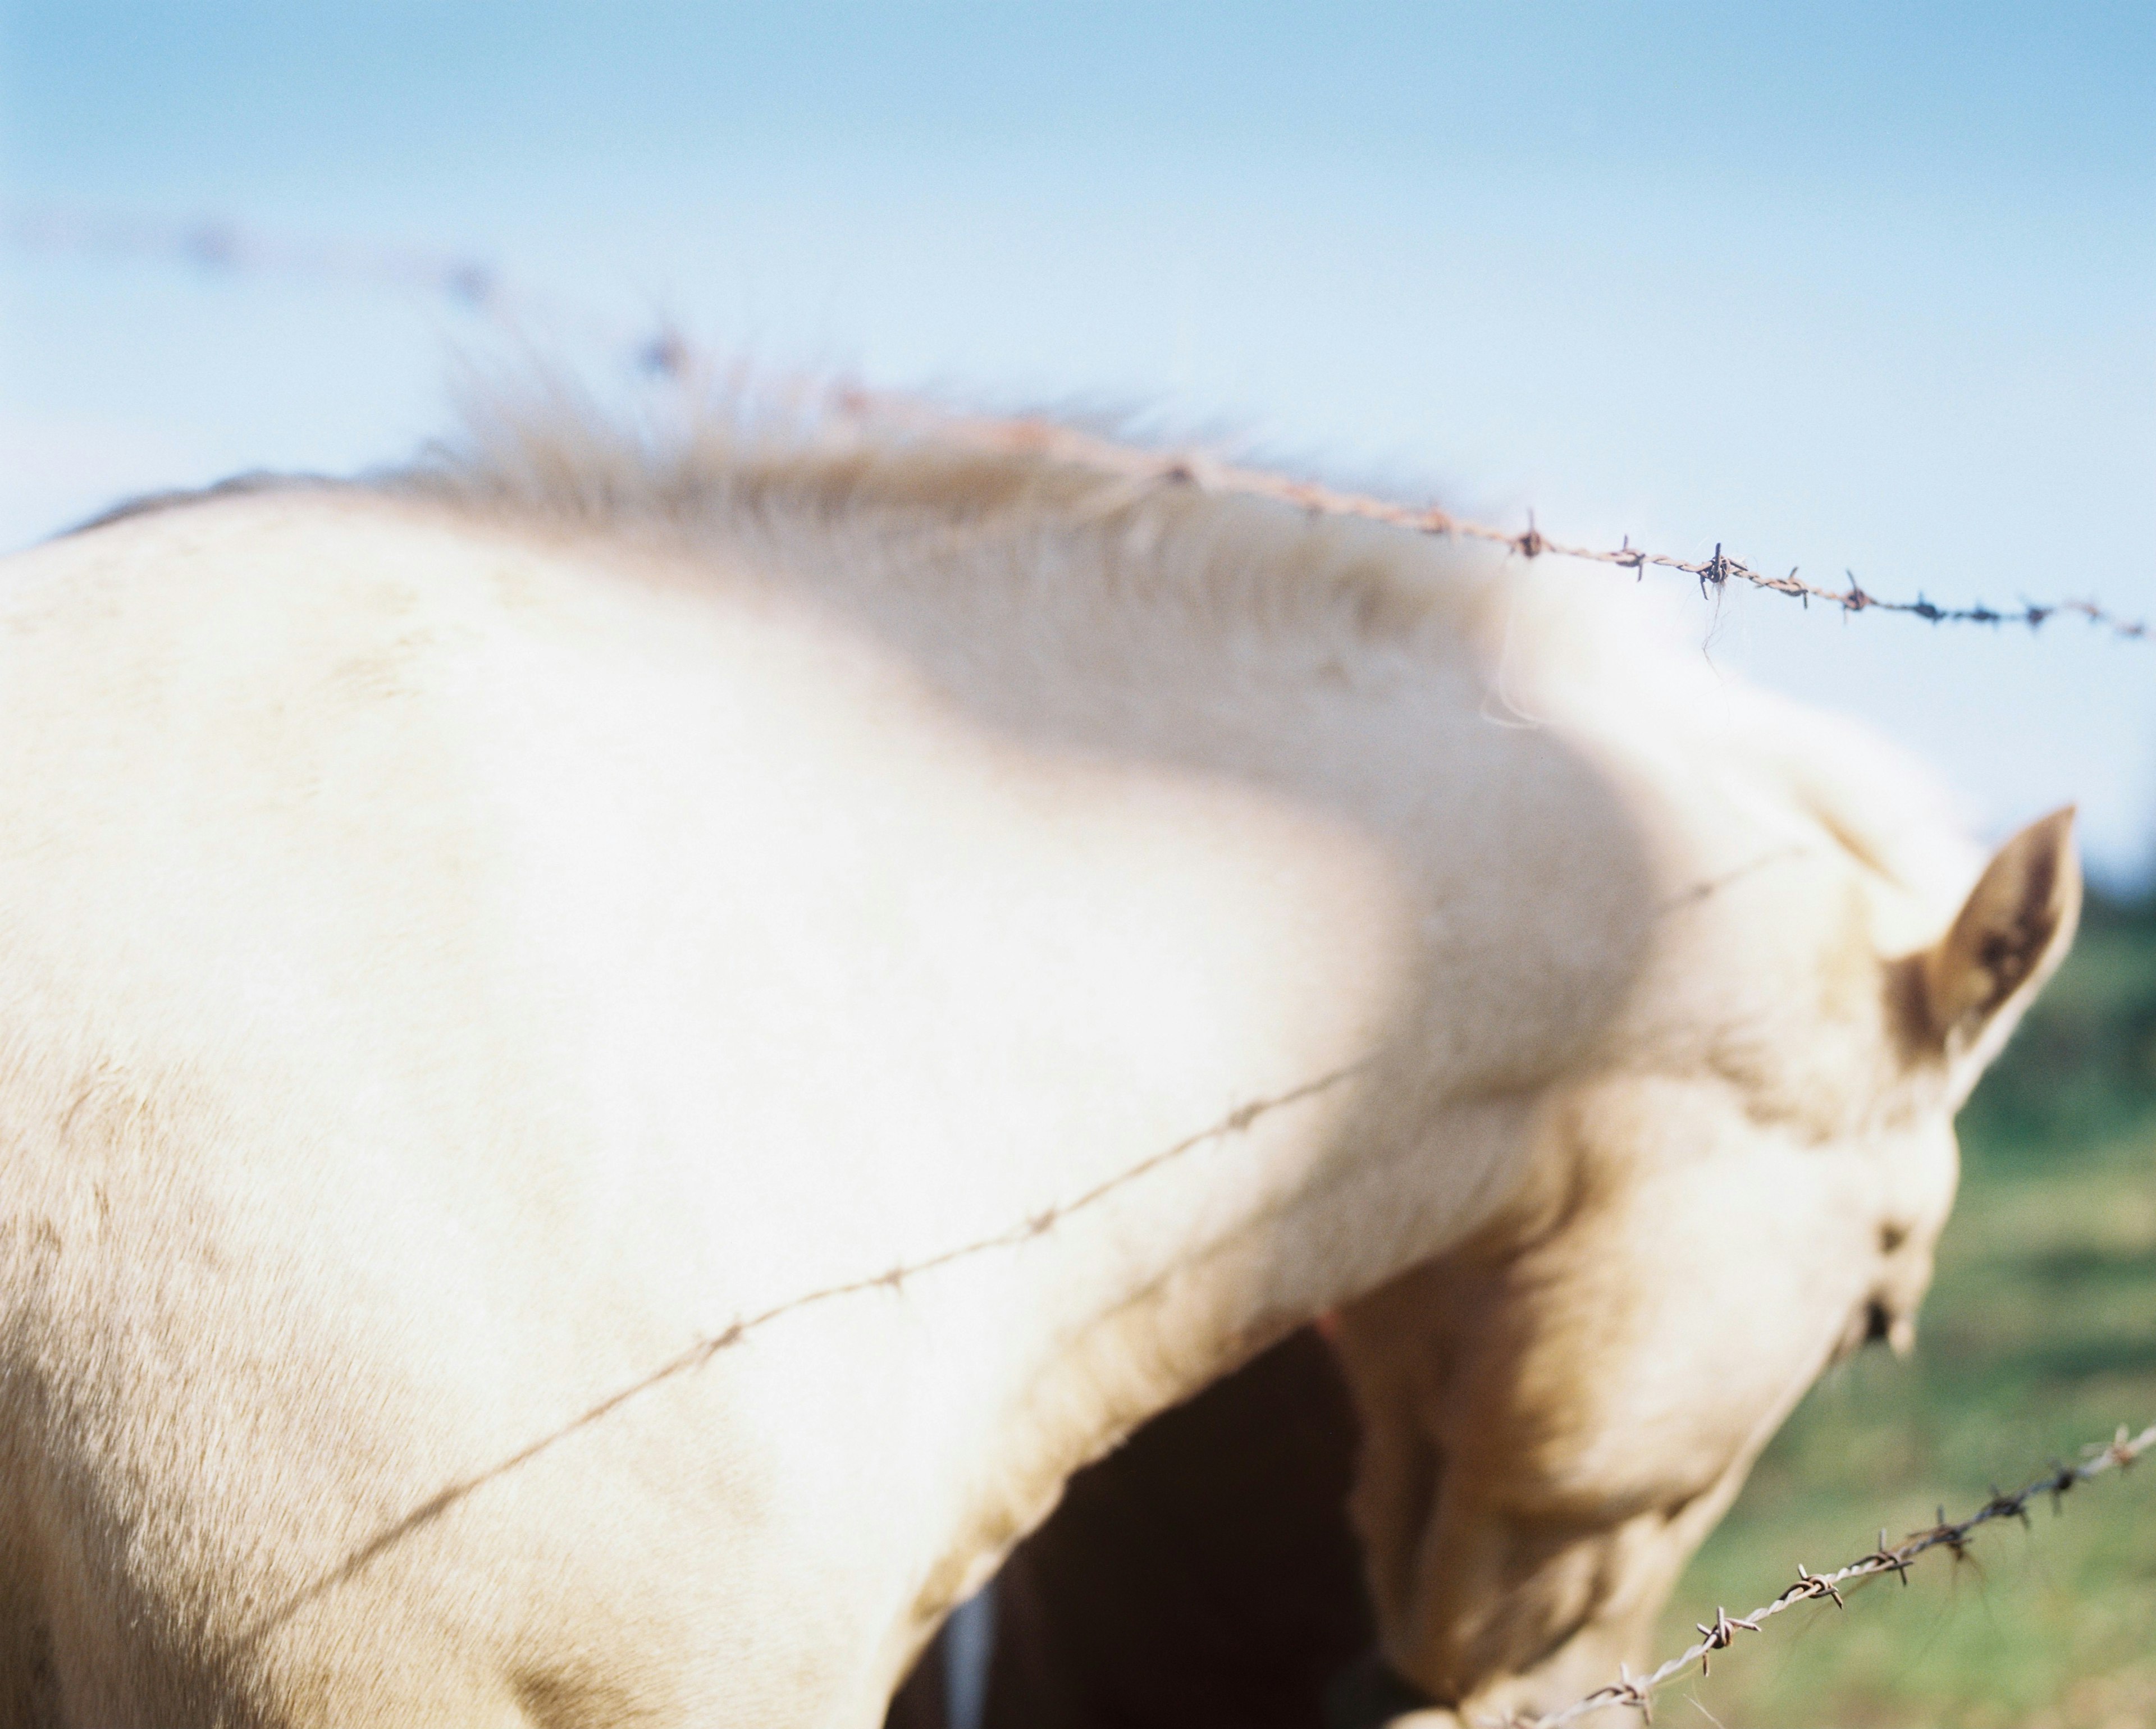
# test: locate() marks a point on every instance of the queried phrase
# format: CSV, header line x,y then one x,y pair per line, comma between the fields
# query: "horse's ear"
x,y
2005,942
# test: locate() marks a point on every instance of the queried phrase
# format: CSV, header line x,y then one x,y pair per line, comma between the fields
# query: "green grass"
x,y
2039,1335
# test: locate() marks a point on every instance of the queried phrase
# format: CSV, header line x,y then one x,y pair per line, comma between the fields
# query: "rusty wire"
x,y
1636,1692
473,285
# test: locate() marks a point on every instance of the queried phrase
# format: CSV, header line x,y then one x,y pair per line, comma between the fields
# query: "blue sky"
x,y
1838,286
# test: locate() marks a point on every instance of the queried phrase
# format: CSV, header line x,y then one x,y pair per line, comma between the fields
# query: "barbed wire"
x,y
893,1279
1194,468
473,285
1637,1692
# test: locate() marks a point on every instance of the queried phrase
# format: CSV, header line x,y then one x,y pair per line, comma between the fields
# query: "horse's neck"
x,y
1338,932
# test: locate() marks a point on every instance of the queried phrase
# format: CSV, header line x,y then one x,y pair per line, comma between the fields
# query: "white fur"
x,y
464,941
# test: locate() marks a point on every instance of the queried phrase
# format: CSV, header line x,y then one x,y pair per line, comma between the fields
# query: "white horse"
x,y
612,1066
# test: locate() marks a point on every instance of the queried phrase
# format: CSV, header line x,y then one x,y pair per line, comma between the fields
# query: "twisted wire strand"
x,y
1637,1692
471,284
1197,469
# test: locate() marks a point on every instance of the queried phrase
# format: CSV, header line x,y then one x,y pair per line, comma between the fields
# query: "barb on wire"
x,y
1068,444
1637,1692
893,1279
475,286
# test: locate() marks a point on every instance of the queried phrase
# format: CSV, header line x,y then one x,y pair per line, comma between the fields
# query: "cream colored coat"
x,y
469,945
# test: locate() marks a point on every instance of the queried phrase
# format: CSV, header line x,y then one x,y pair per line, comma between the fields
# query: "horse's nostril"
x,y
1891,1237
1878,1324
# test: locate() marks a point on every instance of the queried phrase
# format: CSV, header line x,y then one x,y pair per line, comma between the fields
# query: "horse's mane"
x,y
956,511
1358,599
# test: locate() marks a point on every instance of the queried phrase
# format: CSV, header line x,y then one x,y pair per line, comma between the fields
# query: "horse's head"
x,y
1749,1184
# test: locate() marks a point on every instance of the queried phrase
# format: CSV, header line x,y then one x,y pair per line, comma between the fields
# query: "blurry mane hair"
x,y
790,478
1346,599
